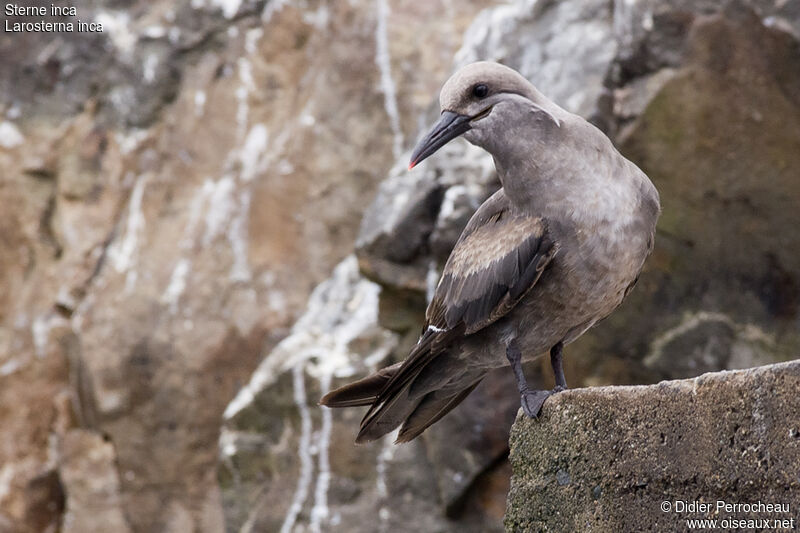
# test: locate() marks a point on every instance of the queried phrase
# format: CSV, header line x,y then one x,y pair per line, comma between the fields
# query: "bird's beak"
x,y
450,126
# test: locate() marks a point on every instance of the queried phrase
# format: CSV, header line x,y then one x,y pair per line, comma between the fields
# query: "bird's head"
x,y
482,101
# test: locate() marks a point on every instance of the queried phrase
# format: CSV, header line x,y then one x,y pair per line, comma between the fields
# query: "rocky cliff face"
x,y
634,458
615,67
175,187
172,190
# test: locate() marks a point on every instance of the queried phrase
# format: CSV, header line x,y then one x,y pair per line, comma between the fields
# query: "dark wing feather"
x,y
496,261
493,265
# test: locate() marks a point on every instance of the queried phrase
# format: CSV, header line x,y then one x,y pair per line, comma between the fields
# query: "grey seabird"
x,y
554,251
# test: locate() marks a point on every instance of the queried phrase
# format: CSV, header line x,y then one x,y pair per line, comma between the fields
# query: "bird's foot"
x,y
533,400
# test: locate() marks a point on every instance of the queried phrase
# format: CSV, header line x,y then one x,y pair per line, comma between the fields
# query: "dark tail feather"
x,y
432,408
392,404
388,416
388,391
362,392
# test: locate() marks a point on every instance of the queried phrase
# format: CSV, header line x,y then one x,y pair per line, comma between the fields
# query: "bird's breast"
x,y
602,253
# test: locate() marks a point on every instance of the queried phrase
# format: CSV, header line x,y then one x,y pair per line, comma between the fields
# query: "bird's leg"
x,y
532,400
558,370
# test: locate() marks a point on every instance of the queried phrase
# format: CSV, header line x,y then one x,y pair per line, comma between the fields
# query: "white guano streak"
x,y
122,255
7,473
304,481
177,284
226,208
254,147
237,237
229,7
243,94
431,281
339,311
10,136
383,60
149,66
221,206
40,331
320,510
116,24
199,102
385,456
272,7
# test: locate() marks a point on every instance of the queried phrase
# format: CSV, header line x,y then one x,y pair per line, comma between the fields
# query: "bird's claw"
x,y
532,401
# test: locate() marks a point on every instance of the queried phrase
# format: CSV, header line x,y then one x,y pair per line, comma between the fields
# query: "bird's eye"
x,y
480,90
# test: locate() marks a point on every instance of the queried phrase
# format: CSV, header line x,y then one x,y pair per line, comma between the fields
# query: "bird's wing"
x,y
496,261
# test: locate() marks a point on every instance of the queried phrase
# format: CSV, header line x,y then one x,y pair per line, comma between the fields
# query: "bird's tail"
x,y
362,392
393,400
432,407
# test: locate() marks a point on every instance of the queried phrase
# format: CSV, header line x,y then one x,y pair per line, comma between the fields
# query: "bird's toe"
x,y
532,402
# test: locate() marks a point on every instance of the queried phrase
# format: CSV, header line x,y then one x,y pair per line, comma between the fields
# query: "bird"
x,y
555,250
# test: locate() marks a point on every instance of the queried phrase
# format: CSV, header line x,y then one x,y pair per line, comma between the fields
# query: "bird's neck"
x,y
528,143
572,169
532,178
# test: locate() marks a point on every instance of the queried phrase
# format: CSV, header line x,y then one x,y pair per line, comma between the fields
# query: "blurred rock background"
x,y
206,223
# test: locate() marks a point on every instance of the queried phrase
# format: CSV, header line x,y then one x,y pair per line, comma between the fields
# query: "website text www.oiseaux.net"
x,y
721,515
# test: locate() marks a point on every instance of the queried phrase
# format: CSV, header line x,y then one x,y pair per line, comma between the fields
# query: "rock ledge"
x,y
606,458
